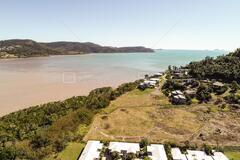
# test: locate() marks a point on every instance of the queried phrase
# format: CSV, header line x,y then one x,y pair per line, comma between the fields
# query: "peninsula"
x,y
23,48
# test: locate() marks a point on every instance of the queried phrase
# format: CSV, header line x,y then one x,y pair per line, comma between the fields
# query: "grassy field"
x,y
144,114
71,152
148,113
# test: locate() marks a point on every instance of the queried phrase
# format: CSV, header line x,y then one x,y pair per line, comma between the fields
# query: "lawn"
x,y
233,155
71,152
140,114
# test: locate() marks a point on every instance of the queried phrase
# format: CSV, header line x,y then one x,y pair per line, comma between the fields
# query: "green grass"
x,y
232,155
71,152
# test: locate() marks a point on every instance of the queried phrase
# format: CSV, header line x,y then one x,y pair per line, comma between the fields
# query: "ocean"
x,y
31,81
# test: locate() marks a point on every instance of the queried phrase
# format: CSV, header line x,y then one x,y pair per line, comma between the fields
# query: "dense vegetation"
x,y
225,68
76,47
39,131
30,48
25,48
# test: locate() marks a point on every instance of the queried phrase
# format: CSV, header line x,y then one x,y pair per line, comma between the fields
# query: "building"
x,y
177,155
178,97
91,151
176,92
157,75
156,152
124,148
191,92
154,79
198,155
218,85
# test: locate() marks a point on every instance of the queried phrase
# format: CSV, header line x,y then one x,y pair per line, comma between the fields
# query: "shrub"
x,y
221,90
203,94
99,98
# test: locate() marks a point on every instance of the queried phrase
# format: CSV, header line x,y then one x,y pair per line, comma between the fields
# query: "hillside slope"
x,y
24,48
87,47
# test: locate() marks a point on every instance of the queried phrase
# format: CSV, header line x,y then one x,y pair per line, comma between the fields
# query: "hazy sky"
x,y
176,24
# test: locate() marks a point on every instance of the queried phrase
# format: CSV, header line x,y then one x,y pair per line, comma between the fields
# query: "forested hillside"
x,y
225,68
18,48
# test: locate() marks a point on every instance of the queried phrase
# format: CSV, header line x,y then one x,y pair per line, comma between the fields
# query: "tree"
x,y
234,87
130,156
203,94
144,143
8,153
39,141
207,149
115,155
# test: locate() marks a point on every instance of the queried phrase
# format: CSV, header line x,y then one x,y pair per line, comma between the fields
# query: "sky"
x,y
168,24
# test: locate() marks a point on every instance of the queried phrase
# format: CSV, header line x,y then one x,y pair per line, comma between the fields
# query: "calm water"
x,y
148,62
26,82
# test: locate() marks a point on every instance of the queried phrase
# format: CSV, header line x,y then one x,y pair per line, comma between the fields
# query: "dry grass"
x,y
143,114
148,113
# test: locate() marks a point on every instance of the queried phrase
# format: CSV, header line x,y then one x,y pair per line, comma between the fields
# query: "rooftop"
x,y
177,155
157,152
122,146
91,151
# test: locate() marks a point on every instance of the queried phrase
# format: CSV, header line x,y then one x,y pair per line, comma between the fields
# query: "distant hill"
x,y
28,48
79,48
24,48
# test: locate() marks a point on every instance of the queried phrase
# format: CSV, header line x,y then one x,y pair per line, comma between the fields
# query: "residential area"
x,y
95,150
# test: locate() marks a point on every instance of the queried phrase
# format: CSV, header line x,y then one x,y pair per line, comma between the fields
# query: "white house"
x,y
91,150
156,152
198,155
177,155
123,147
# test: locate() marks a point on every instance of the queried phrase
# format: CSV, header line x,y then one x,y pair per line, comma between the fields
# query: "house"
x,y
154,79
180,73
179,99
91,151
217,85
150,84
142,86
198,155
158,75
124,148
191,92
177,155
156,152
176,92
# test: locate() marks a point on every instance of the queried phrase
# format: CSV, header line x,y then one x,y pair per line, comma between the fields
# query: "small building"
x,y
176,92
154,79
177,155
217,85
156,152
191,92
150,84
91,151
142,86
124,148
158,75
179,99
